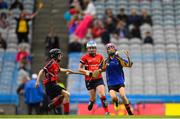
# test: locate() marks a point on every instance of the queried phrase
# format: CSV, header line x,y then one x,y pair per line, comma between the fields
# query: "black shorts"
x,y
92,84
53,90
115,87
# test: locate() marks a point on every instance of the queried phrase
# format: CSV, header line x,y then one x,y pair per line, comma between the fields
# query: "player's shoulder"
x,y
116,58
99,55
85,55
50,63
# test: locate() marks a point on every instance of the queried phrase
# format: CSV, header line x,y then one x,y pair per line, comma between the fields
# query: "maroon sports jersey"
x,y
92,63
51,69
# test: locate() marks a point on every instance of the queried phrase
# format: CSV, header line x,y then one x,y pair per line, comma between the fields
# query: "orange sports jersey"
x,y
51,70
92,63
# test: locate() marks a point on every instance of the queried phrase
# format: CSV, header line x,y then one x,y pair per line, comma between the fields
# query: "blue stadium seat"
x,y
162,59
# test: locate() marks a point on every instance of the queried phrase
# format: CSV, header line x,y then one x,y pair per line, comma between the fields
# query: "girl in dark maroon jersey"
x,y
56,93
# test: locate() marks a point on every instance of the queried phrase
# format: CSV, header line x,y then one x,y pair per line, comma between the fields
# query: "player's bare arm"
x,y
124,63
41,72
69,71
65,70
130,63
83,71
103,66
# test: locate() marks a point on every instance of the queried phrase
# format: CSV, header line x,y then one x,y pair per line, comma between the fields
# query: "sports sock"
x,y
66,108
90,105
56,102
115,101
128,108
104,103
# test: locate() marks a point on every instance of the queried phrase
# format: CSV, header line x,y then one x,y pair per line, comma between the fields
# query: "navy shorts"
x,y
92,84
53,90
115,87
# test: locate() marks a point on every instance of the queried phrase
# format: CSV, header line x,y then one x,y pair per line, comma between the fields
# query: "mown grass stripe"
x,y
84,117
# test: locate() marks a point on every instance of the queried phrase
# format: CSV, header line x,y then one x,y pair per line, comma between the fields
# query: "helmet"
x,y
91,43
54,53
110,45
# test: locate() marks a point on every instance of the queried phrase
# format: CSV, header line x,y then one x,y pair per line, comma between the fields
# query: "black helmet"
x,y
53,53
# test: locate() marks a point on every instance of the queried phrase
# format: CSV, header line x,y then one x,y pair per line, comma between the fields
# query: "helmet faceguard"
x,y
91,47
111,49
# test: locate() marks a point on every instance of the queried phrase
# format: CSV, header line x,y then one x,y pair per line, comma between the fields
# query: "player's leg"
x,y
114,99
65,101
125,100
92,94
54,93
55,102
101,91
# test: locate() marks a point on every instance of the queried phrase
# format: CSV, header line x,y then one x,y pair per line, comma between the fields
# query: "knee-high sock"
x,y
66,108
128,108
115,100
57,101
103,100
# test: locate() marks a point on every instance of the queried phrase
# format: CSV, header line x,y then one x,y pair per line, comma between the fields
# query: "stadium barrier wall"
x,y
141,105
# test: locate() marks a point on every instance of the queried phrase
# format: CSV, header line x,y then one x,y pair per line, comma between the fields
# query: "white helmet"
x,y
91,43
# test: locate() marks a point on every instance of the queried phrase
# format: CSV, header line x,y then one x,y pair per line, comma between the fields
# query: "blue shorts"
x,y
92,84
115,87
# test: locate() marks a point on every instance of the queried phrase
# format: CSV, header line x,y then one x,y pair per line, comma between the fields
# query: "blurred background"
x,y
148,29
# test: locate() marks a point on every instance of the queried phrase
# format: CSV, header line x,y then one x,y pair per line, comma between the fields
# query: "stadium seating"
x,y
156,68
8,65
76,84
